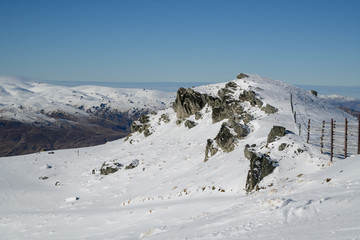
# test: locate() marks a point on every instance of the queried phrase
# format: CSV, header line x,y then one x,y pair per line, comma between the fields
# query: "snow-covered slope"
x,y
35,116
26,100
163,189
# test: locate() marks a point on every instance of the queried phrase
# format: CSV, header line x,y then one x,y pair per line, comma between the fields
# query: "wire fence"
x,y
337,139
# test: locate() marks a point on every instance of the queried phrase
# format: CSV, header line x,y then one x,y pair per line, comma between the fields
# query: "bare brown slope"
x,y
18,138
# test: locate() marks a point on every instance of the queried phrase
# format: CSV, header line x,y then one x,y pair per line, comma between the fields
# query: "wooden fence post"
x,y
322,137
308,132
346,130
332,140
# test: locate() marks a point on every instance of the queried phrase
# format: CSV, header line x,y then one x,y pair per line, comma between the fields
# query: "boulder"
x,y
261,165
190,124
210,149
250,96
313,92
164,118
225,139
283,146
240,130
110,167
188,102
269,109
275,132
231,85
242,76
132,165
226,109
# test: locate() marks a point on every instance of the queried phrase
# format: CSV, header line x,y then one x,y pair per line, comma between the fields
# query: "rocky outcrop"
x,y
250,96
188,102
275,132
164,118
141,125
261,165
225,139
210,149
242,76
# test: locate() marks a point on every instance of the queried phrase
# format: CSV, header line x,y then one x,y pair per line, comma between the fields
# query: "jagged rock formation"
x,y
188,102
275,132
142,125
261,165
225,139
210,149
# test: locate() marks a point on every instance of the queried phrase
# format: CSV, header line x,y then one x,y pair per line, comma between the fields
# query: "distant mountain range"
x,y
38,116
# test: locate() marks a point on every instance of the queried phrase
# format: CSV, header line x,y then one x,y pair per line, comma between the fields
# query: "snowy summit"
x,y
226,161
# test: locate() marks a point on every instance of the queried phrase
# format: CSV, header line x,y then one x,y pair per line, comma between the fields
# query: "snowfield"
x,y
163,189
26,100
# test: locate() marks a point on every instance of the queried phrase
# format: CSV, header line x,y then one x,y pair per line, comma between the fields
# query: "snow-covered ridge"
x,y
23,99
156,184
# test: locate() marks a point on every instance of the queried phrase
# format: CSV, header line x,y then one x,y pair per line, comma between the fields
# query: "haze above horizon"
x,y
305,42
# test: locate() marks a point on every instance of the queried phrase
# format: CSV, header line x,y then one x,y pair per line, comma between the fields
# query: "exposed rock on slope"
x,y
261,165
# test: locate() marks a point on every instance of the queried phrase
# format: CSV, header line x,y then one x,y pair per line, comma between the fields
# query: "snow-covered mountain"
x,y
211,167
34,116
348,104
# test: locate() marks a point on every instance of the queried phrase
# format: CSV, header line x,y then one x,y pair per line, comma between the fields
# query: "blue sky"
x,y
299,42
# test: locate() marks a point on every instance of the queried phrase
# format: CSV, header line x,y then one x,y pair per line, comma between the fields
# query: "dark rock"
x,y
231,85
179,122
133,164
110,167
250,96
141,125
276,131
210,149
144,119
198,115
147,132
313,92
225,139
242,75
226,110
269,109
261,165
283,146
188,102
240,130
164,118
43,178
190,124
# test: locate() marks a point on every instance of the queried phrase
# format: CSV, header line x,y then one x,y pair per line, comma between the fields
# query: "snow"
x,y
23,100
174,194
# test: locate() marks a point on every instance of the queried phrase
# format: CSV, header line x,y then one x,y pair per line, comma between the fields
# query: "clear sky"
x,y
299,42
